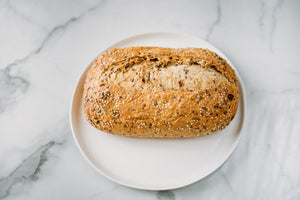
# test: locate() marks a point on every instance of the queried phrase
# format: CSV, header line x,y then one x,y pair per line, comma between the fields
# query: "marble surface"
x,y
45,45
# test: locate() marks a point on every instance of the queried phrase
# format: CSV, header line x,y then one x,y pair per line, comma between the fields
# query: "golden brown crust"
x,y
160,92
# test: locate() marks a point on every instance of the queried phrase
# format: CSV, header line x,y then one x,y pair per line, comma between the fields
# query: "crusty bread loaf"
x,y
160,92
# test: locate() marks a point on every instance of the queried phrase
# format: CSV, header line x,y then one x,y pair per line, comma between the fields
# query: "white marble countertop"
x,y
45,45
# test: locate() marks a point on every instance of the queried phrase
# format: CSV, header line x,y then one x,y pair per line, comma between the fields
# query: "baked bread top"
x,y
160,92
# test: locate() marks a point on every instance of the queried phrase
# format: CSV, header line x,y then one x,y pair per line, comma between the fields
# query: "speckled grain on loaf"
x,y
160,92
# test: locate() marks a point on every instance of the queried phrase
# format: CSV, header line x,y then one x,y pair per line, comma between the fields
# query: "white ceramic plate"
x,y
155,164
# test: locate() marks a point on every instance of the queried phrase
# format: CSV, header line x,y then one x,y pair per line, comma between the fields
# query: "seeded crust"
x,y
160,92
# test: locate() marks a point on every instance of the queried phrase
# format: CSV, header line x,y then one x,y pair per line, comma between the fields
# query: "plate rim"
x,y
220,164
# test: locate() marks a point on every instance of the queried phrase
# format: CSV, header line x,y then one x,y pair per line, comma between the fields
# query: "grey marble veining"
x,y
45,46
11,87
29,168
216,22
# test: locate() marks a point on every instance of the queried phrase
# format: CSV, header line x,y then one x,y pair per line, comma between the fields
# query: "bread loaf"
x,y
160,92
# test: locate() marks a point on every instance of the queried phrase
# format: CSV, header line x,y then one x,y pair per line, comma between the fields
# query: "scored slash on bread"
x,y
160,92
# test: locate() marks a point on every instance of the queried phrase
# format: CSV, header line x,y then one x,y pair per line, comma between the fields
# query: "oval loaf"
x,y
160,92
